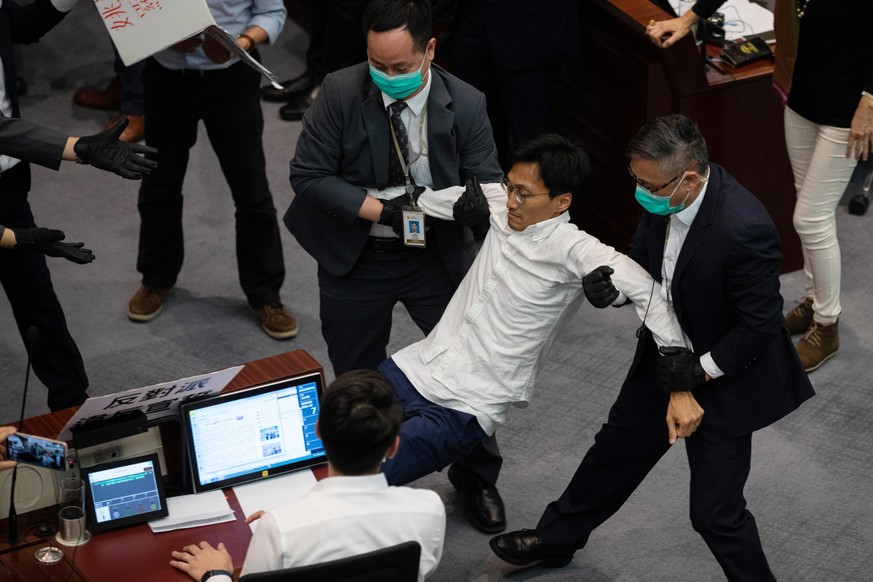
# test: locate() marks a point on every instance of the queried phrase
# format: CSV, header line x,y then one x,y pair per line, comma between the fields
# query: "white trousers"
x,y
821,173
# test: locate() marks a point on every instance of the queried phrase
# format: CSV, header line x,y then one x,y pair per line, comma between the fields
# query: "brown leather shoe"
x,y
135,129
146,303
799,319
276,321
818,345
107,98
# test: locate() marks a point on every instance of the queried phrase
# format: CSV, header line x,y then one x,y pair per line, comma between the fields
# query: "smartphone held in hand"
x,y
38,451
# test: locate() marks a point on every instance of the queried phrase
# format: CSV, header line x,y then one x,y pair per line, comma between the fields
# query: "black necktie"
x,y
396,176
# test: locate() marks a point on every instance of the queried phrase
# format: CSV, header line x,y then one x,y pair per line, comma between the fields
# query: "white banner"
x,y
155,401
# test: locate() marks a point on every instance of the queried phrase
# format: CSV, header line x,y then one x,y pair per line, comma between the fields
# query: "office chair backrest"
x,y
393,564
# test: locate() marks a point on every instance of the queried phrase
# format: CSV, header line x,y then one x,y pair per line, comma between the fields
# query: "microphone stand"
x,y
12,537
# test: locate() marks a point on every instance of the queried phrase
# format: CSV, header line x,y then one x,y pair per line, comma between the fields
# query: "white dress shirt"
x,y
678,226
493,338
347,516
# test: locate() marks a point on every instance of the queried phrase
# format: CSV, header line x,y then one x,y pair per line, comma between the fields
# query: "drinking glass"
x,y
73,529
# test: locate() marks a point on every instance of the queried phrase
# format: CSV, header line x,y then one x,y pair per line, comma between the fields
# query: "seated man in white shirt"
x,y
354,510
458,383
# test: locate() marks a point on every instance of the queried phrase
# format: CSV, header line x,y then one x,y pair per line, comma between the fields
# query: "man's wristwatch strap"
x,y
210,573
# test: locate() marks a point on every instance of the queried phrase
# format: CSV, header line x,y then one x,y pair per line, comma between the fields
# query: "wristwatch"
x,y
210,573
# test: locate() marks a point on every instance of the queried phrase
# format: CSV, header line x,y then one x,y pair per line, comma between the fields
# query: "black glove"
x,y
392,213
106,152
48,241
679,369
471,207
598,287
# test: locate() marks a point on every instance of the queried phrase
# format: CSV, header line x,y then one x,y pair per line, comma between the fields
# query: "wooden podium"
x,y
621,80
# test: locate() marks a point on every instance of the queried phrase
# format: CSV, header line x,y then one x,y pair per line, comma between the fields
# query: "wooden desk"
x,y
621,80
136,554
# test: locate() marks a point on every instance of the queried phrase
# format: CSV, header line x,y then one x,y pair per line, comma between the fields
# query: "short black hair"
x,y
674,141
414,15
359,419
563,165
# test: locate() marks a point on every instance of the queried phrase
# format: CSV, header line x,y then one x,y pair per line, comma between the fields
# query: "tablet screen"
x,y
124,492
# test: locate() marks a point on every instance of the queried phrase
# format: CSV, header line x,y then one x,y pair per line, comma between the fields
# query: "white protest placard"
x,y
155,401
141,28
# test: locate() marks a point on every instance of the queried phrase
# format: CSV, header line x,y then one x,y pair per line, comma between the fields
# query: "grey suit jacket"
x,y
29,142
343,149
25,24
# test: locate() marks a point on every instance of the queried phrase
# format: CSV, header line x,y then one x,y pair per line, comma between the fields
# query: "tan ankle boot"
x,y
818,345
799,319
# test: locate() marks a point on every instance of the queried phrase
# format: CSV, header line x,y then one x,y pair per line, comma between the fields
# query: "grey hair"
x,y
674,141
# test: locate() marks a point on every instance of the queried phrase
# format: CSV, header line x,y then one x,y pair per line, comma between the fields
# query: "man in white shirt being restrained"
x,y
458,383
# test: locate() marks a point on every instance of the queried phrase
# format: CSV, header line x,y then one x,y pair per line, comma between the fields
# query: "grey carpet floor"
x,y
809,486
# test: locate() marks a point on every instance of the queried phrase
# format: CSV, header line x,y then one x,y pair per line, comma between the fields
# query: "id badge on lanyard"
x,y
413,215
413,226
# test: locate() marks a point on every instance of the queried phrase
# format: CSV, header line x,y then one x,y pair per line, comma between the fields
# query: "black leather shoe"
x,y
858,204
291,89
294,110
526,547
484,505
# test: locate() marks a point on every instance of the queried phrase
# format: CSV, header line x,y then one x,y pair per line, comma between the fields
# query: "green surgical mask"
x,y
398,86
659,204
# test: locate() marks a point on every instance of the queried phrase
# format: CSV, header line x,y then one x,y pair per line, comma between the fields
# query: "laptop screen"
x,y
255,433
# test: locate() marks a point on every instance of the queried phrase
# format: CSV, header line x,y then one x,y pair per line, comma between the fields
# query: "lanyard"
x,y
403,165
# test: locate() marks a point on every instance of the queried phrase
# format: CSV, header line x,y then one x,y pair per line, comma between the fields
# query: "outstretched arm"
x,y
588,255
46,241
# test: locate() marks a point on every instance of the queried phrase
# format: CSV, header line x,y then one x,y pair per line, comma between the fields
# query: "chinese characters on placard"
x,y
155,401
124,13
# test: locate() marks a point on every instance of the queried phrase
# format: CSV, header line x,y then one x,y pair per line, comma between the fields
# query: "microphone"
x,y
32,336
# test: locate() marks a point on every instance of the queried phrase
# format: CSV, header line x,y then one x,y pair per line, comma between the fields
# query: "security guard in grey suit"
x,y
344,188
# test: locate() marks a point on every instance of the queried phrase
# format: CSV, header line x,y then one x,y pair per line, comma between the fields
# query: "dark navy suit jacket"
x,y
726,295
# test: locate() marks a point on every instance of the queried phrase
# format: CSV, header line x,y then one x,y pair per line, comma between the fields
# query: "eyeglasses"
x,y
651,190
520,194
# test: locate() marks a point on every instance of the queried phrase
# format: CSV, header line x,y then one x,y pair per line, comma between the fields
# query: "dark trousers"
x,y
357,309
335,39
228,102
431,436
627,447
131,85
519,101
28,285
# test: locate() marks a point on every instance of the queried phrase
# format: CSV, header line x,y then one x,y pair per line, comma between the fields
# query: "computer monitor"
x,y
254,434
